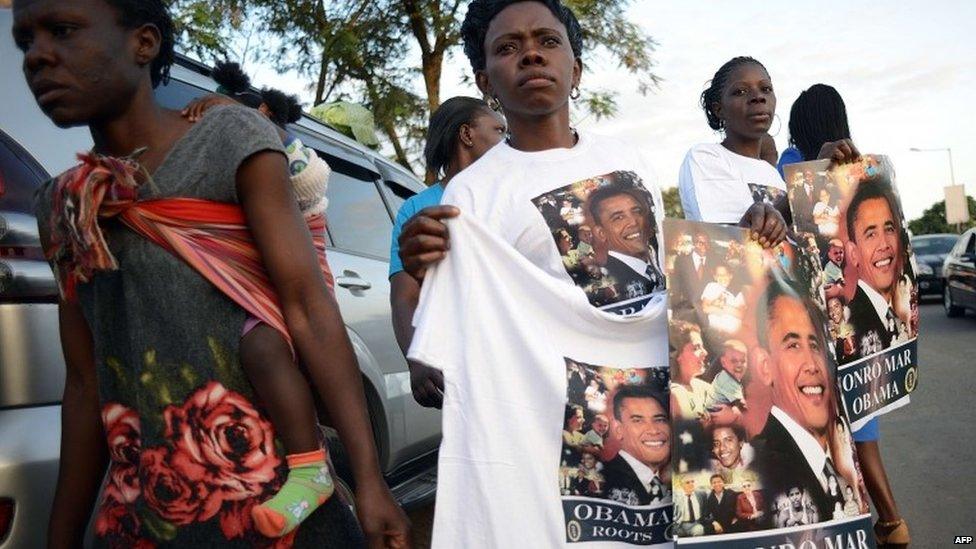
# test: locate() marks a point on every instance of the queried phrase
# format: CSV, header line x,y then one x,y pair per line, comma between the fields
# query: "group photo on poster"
x,y
761,444
606,230
853,212
615,467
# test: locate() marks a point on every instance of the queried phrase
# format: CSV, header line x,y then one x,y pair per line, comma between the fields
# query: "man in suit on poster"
x,y
803,196
624,221
720,505
639,474
793,449
875,246
690,515
692,273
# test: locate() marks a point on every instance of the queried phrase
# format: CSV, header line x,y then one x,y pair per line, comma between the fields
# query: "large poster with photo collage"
x,y
615,467
853,215
763,453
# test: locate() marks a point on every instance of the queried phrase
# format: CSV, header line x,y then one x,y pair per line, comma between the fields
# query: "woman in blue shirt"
x,y
460,131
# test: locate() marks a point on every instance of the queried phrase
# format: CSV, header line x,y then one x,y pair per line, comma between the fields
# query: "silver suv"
x,y
364,193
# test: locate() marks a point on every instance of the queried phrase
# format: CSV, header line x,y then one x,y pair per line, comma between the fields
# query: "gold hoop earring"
x,y
493,103
574,94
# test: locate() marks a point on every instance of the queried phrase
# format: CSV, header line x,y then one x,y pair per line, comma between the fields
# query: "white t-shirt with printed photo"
x,y
529,198
504,317
505,333
717,185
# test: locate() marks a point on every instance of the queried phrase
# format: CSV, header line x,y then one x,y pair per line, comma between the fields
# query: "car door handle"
x,y
352,281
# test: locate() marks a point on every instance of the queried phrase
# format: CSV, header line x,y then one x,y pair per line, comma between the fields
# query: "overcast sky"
x,y
907,71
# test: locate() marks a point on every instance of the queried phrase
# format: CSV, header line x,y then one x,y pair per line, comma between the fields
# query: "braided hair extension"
x,y
713,94
817,116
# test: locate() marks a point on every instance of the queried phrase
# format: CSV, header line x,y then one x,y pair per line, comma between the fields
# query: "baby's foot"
x,y
309,485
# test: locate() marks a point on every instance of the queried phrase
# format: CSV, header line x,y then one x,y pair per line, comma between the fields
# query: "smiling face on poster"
x,y
760,442
868,272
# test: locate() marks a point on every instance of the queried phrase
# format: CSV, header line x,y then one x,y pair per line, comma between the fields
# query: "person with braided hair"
x,y
717,180
818,128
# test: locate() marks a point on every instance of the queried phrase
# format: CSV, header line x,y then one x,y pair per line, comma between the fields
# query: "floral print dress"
x,y
191,450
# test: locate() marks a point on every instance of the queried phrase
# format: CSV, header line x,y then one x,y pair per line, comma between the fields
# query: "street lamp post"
x,y
952,171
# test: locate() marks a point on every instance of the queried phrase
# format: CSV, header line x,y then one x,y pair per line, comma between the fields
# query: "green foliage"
x,y
607,30
208,28
672,203
933,220
365,51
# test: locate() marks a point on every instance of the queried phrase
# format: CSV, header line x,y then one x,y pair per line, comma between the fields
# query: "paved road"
x,y
929,447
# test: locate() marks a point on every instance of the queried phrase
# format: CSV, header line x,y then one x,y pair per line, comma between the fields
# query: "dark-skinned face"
x,y
79,63
644,431
484,132
623,225
876,245
800,381
529,63
748,102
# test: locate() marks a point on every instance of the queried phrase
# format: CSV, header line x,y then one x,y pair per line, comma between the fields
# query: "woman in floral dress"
x,y
154,391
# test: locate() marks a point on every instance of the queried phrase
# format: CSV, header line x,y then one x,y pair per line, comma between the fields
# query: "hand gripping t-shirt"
x,y
518,348
718,186
589,215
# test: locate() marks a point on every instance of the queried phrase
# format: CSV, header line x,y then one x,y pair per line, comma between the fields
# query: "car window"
x,y
358,220
971,245
396,194
933,246
176,94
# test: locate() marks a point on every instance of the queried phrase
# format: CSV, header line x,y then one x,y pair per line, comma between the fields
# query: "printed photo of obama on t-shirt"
x,y
605,228
615,463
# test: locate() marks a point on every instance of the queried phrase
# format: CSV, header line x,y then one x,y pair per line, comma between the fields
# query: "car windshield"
x,y
931,246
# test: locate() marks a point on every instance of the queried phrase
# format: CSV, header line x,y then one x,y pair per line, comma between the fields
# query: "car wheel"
x,y
951,309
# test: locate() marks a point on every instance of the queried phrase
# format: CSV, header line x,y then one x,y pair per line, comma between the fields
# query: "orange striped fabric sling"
x,y
212,237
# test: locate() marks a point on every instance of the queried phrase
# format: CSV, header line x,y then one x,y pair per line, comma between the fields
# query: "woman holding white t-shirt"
x,y
526,59
717,180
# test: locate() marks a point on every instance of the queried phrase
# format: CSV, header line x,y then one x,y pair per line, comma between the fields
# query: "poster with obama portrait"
x,y
614,469
853,214
762,450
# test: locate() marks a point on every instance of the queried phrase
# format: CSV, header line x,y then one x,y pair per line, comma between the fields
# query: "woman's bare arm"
x,y
426,383
318,332
84,453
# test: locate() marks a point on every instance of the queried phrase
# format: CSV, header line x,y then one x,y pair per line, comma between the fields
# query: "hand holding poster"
x,y
853,213
763,454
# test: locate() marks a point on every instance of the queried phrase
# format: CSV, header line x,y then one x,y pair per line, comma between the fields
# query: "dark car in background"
x,y
930,253
959,274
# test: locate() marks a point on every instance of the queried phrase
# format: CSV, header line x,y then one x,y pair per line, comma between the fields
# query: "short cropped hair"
x,y
481,12
636,391
876,186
